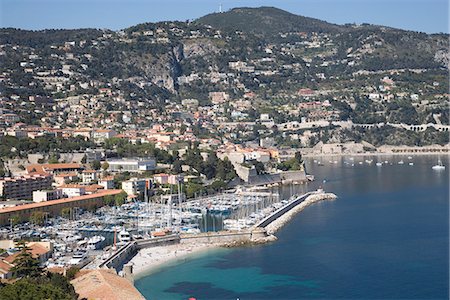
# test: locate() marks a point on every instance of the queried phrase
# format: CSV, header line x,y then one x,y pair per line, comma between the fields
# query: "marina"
x,y
89,239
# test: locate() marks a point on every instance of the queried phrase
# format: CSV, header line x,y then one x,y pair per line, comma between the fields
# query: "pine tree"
x,y
25,265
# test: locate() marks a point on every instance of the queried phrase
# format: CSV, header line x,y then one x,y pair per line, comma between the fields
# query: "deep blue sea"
x,y
385,237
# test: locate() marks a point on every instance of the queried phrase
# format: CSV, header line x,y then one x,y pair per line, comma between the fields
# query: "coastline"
x,y
150,260
383,154
276,225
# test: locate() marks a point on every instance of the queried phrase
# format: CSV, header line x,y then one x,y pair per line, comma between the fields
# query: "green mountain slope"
x,y
266,21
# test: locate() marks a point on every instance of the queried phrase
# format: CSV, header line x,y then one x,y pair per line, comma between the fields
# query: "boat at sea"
x,y
379,164
411,164
439,166
401,162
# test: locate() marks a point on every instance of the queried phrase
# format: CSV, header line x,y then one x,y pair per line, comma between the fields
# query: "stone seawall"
x,y
281,220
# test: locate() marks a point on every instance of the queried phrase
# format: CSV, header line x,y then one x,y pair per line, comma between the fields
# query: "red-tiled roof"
x,y
105,284
59,201
42,168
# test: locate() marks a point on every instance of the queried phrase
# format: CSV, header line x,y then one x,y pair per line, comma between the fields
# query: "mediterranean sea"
x,y
385,237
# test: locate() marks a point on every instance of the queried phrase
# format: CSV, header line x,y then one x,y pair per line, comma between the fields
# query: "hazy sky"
x,y
429,16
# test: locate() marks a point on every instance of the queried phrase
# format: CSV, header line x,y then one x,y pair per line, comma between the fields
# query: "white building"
x,y
135,186
107,183
103,134
89,176
47,195
72,190
131,164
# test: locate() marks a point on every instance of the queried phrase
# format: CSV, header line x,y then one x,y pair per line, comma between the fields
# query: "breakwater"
x,y
280,217
262,232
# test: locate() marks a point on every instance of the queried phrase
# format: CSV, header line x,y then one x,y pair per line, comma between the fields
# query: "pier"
x,y
281,211
259,233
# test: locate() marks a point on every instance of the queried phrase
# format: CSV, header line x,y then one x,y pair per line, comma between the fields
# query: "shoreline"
x,y
150,260
376,154
279,223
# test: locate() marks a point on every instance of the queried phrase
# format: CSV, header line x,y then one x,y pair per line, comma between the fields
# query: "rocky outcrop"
x,y
442,57
199,48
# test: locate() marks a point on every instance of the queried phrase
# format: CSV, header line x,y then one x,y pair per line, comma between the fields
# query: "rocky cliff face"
x,y
442,57
199,48
167,68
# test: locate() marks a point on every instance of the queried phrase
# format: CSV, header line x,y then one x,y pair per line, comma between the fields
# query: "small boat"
x,y
78,258
409,157
379,164
411,164
439,166
124,236
401,162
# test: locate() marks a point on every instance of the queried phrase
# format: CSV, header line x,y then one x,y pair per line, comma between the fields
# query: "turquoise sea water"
x,y
386,237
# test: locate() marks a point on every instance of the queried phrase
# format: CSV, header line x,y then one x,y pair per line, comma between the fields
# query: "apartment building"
x,y
22,188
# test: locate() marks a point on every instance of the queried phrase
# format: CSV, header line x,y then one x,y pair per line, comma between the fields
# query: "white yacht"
x,y
95,242
439,166
124,236
78,258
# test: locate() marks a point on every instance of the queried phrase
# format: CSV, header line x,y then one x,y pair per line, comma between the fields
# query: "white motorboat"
x,y
439,166
78,258
95,242
124,236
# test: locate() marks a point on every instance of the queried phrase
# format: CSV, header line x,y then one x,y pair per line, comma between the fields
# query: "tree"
x,y
193,188
54,158
71,272
27,289
65,212
177,166
105,166
84,159
25,265
37,217
96,165
108,200
15,220
298,157
120,198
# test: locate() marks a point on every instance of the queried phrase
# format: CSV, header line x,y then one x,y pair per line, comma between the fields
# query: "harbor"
x,y
120,237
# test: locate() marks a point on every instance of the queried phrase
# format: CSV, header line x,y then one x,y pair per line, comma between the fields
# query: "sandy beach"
x,y
148,260
151,259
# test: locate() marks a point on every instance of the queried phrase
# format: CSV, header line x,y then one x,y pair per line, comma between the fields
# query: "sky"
x,y
430,16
